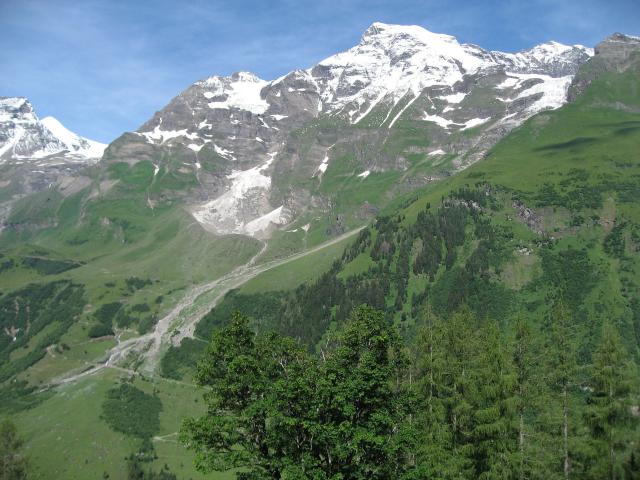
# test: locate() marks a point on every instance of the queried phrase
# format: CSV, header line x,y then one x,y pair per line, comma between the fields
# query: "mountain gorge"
x,y
411,173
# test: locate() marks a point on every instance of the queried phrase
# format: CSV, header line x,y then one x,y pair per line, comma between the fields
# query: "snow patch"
x,y
262,223
247,188
437,152
228,154
364,174
509,82
162,136
442,122
240,91
402,111
554,91
474,122
454,98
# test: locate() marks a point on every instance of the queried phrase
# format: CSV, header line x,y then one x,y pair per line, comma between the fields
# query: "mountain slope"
x,y
39,155
401,108
552,203
553,207
23,136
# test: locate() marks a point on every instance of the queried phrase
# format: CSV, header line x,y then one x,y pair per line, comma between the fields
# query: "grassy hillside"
x,y
553,208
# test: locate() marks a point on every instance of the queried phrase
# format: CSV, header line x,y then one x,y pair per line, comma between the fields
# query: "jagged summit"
x,y
23,136
385,33
244,124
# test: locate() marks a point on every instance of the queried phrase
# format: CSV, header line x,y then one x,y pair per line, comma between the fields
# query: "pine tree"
x,y
530,399
562,367
435,457
460,345
608,412
494,430
631,466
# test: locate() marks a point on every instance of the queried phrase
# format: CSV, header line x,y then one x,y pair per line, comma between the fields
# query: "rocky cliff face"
x,y
617,53
38,154
403,103
24,137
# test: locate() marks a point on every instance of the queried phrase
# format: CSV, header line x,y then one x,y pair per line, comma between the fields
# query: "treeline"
x,y
466,400
451,255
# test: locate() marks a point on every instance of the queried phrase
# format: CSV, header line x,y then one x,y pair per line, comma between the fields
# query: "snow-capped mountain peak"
x,y
240,90
394,72
74,142
24,136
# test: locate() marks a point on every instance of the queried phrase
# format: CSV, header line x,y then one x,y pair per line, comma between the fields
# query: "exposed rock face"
x,y
617,53
263,150
617,49
23,136
39,154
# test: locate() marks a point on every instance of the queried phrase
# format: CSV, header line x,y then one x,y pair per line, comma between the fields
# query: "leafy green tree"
x,y
13,463
610,402
276,412
363,402
238,431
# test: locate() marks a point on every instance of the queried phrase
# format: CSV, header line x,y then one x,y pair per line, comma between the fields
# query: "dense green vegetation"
x,y
13,462
276,412
129,410
39,314
464,400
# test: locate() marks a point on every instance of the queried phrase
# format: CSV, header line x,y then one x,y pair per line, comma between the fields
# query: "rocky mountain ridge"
x,y
39,154
465,98
23,136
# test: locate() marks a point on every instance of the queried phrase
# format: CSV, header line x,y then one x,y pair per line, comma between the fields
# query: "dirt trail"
x,y
181,321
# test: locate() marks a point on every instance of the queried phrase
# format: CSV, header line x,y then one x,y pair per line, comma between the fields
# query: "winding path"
x,y
182,319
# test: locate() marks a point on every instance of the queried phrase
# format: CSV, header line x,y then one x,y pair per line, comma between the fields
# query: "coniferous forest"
x,y
462,379
464,400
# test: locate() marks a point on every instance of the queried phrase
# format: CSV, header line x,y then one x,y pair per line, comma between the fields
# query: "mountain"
x,y
23,136
39,154
242,186
403,107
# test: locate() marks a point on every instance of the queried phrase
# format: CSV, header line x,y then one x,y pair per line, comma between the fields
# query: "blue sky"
x,y
103,67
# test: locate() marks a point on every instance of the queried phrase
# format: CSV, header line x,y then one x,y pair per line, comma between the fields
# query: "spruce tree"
x,y
494,430
460,345
609,407
561,373
435,457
